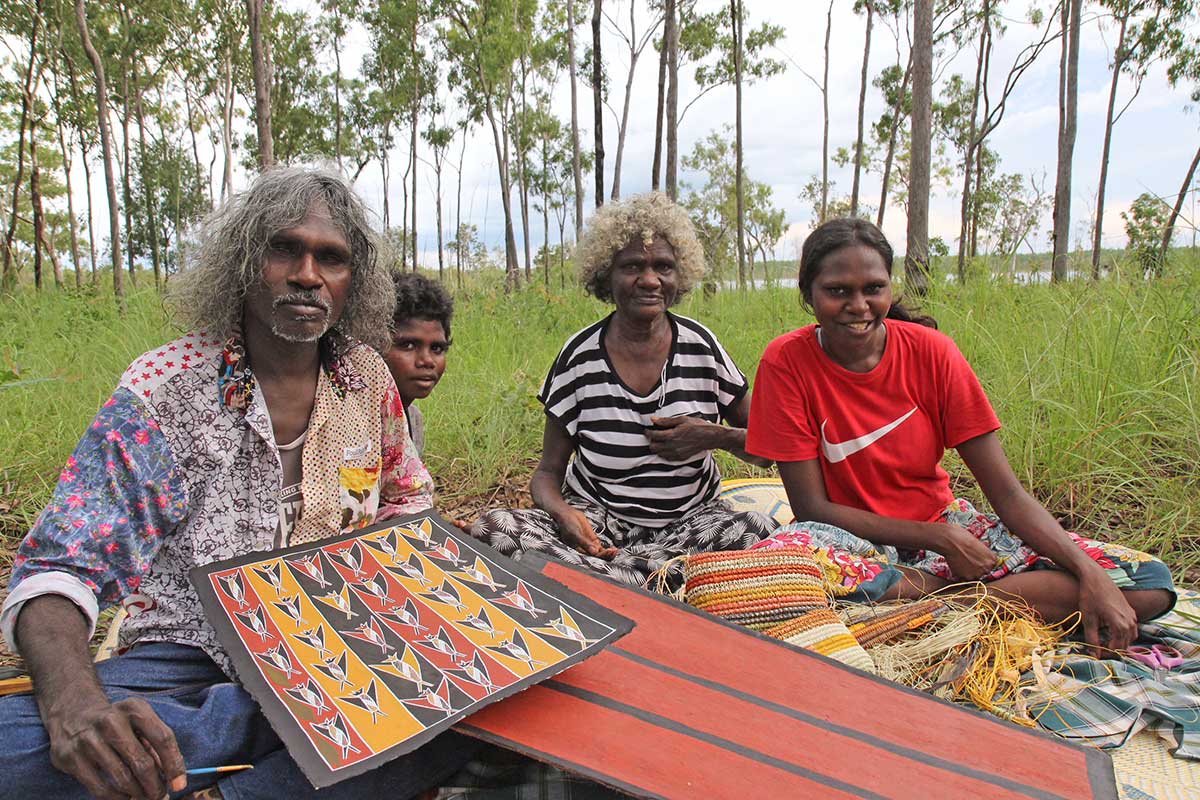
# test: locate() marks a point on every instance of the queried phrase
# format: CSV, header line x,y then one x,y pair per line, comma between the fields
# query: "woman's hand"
x,y
546,488
968,558
575,529
1109,621
680,438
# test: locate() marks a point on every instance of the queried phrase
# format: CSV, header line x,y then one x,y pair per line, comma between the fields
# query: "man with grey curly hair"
x,y
635,405
269,424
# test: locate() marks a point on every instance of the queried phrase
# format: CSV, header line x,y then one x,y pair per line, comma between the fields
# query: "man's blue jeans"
x,y
215,722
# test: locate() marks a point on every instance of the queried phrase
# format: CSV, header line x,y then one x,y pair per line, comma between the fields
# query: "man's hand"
x,y
680,438
968,558
116,750
575,529
1109,622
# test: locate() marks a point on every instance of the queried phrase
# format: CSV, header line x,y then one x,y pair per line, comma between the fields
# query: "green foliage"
x,y
301,96
713,206
176,196
836,205
706,40
1096,385
938,247
51,187
1144,225
475,256
1011,212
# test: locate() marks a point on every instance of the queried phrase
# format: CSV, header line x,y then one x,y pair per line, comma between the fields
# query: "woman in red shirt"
x,y
858,410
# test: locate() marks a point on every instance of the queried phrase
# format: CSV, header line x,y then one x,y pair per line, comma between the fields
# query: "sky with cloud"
x,y
1153,143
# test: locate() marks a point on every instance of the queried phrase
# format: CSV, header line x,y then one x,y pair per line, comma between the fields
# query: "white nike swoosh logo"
x,y
843,450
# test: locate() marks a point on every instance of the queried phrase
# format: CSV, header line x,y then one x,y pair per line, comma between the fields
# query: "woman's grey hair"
x,y
644,216
228,258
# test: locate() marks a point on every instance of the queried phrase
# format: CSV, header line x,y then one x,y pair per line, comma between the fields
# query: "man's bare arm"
x,y
115,750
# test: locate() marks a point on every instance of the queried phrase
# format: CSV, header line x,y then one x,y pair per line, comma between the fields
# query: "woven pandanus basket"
x,y
823,631
755,588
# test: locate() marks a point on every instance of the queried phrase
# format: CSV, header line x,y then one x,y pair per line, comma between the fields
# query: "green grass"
x,y
1098,387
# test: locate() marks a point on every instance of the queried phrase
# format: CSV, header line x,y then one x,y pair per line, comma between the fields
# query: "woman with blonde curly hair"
x,y
634,406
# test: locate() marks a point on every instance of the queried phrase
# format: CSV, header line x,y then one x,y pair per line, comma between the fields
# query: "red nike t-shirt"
x,y
881,434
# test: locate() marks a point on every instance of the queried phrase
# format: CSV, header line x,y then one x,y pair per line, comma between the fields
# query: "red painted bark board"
x,y
687,705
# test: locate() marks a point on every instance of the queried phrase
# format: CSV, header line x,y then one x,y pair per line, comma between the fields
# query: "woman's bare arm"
x,y
1101,603
682,438
968,558
546,488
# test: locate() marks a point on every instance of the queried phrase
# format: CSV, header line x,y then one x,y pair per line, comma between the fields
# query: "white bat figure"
x,y
517,648
412,569
366,699
407,616
291,607
441,642
332,730
477,672
377,587
387,544
479,573
439,699
339,601
481,622
312,568
405,668
279,659
271,574
307,693
447,551
565,627
445,594
254,621
369,632
350,558
233,588
520,598
315,638
336,669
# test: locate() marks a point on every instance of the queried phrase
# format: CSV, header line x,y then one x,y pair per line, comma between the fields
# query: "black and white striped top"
x,y
613,466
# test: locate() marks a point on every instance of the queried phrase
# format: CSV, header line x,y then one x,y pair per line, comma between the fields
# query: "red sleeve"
x,y
965,409
780,426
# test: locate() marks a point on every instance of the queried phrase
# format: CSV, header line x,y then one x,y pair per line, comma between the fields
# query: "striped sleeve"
x,y
578,365
702,358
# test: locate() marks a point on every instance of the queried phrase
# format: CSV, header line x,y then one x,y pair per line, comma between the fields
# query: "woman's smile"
x,y
850,299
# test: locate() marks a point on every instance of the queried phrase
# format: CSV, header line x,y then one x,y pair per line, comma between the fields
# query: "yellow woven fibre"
x,y
823,632
974,651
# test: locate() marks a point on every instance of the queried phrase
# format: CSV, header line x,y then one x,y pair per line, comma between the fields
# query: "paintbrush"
x,y
209,770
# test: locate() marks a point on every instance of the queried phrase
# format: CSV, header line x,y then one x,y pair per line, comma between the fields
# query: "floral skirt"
x,y
859,571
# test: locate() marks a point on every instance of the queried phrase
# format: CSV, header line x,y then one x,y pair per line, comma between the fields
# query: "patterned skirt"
x,y
860,571
641,551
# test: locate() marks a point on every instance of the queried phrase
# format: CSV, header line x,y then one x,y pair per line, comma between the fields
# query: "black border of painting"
x,y
297,743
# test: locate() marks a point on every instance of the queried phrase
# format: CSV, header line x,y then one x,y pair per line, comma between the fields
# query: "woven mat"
x,y
1144,768
1146,771
765,495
